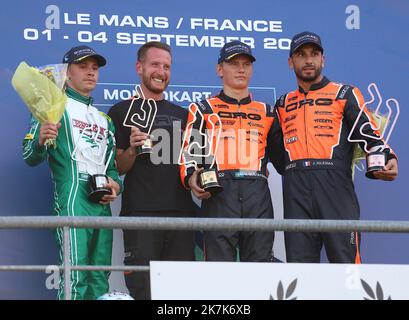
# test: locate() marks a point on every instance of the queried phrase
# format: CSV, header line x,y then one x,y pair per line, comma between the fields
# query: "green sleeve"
x,y
33,153
112,170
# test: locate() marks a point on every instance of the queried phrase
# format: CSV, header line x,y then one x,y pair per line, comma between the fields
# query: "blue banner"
x,y
364,41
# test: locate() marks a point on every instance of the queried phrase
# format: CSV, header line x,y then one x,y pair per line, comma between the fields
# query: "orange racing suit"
x,y
241,165
317,166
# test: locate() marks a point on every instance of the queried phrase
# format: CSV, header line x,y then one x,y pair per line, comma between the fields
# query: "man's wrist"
x,y
390,156
132,151
117,187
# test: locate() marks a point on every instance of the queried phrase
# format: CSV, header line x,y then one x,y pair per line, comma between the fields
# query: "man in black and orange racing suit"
x,y
240,160
316,120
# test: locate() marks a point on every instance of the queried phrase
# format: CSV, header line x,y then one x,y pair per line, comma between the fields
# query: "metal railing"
x,y
170,223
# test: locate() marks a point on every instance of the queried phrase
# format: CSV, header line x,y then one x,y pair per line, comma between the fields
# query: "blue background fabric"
x,y
364,42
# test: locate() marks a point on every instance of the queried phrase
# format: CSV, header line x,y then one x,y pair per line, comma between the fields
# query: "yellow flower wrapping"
x,y
39,92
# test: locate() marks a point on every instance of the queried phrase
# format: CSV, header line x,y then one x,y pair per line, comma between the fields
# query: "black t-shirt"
x,y
153,183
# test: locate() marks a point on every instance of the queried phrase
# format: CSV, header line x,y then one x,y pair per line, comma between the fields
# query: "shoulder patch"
x,y
29,136
269,109
281,101
205,105
342,94
201,105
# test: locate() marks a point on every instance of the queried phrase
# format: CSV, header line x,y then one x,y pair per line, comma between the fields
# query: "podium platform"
x,y
277,281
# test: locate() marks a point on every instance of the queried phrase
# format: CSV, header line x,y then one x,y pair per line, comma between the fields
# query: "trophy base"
x,y
209,182
375,161
97,195
213,189
97,189
144,151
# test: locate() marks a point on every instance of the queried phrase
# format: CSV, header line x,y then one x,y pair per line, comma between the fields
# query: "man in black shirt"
x,y
152,186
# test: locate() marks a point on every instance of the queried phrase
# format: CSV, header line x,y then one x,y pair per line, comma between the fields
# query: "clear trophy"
x,y
142,117
208,177
375,156
90,154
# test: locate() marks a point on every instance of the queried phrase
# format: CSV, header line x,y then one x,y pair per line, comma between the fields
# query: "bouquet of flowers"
x,y
42,90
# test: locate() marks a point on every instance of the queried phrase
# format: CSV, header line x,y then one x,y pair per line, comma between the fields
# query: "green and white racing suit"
x,y
85,143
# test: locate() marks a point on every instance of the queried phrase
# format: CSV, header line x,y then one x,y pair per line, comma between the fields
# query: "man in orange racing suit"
x,y
240,160
316,120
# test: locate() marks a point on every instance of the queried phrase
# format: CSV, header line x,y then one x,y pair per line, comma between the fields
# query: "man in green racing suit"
x,y
85,143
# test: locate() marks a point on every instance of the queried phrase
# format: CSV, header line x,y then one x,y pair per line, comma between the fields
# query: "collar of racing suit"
x,y
231,100
71,93
316,86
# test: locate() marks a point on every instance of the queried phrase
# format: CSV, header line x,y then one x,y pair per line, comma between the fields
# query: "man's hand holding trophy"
x,y
378,166
90,153
140,119
201,143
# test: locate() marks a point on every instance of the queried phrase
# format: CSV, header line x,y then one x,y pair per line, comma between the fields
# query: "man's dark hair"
x,y
152,44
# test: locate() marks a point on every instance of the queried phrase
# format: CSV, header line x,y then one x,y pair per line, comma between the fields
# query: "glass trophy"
x,y
193,151
375,156
141,115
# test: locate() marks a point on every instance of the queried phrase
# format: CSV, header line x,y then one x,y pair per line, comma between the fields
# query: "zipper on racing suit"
x,y
305,124
238,109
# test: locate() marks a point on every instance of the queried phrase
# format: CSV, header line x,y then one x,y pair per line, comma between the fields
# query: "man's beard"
x,y
146,80
310,78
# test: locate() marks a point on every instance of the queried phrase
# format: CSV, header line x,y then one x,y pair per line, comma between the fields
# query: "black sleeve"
x,y
122,133
183,118
275,143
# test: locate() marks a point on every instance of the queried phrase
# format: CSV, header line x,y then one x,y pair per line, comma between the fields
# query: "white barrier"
x,y
277,281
